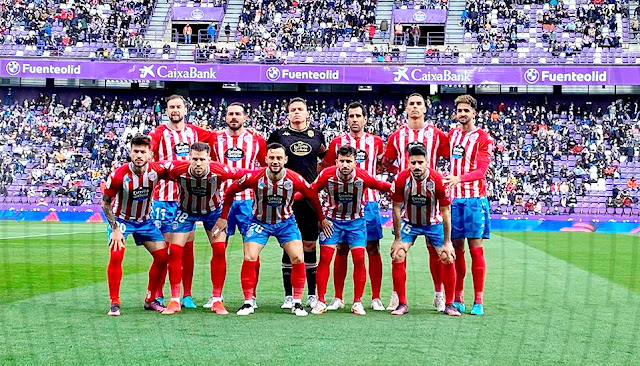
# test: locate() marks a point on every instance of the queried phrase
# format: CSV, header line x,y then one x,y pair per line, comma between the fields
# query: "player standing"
x,y
126,204
199,180
471,150
239,148
369,150
303,146
171,141
347,187
274,188
418,132
421,207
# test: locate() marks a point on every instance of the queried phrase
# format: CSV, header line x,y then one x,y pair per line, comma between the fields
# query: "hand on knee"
x,y
399,256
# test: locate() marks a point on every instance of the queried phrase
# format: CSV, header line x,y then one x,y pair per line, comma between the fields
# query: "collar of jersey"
x,y
132,168
299,131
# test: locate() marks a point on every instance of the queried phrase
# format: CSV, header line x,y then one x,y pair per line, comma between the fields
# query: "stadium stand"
x,y
552,158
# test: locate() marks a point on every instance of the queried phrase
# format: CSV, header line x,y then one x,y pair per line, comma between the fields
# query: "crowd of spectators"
x,y
55,24
593,24
66,150
285,25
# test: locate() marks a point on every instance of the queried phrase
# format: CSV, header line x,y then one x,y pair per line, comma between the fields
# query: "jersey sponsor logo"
x,y
198,191
418,200
274,200
234,154
181,149
153,175
361,156
414,143
141,193
300,148
346,197
458,152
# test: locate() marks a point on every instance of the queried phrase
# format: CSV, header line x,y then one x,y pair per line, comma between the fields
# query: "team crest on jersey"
x,y
429,134
418,200
247,138
310,133
369,140
274,200
141,193
300,148
198,191
458,152
473,137
153,175
234,154
346,197
181,149
431,185
358,184
361,156
288,185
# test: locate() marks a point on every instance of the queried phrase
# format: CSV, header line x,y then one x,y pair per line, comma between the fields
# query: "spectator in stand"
x,y
211,31
632,184
187,31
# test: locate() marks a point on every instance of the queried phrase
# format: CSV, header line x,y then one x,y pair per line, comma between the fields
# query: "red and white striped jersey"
x,y
369,148
201,195
421,199
132,191
432,138
470,158
346,198
273,199
247,151
169,144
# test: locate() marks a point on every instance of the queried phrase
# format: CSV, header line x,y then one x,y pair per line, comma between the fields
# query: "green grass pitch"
x,y
551,298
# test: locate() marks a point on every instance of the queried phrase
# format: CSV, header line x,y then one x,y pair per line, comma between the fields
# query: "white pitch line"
x,y
40,235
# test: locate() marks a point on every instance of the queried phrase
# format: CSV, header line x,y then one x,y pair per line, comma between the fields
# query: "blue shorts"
x,y
374,224
142,231
352,232
286,231
434,233
163,213
185,223
240,215
470,218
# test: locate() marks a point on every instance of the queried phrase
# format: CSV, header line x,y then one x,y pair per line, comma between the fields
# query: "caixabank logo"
x,y
536,76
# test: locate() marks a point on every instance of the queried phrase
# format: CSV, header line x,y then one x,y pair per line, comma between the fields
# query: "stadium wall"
x,y
566,223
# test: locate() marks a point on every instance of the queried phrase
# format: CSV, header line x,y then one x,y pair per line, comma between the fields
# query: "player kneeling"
x,y
274,189
126,204
199,180
345,185
421,207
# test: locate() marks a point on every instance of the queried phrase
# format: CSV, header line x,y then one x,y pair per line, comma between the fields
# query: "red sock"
x,y
359,273
324,266
339,274
461,271
157,270
248,278
449,279
375,274
187,268
114,274
218,267
175,269
257,278
478,270
399,274
298,279
163,279
435,265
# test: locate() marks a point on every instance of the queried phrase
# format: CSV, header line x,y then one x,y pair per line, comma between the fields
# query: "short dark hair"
x,y
238,104
200,146
354,105
296,100
141,140
418,150
413,95
177,96
275,145
468,99
347,151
